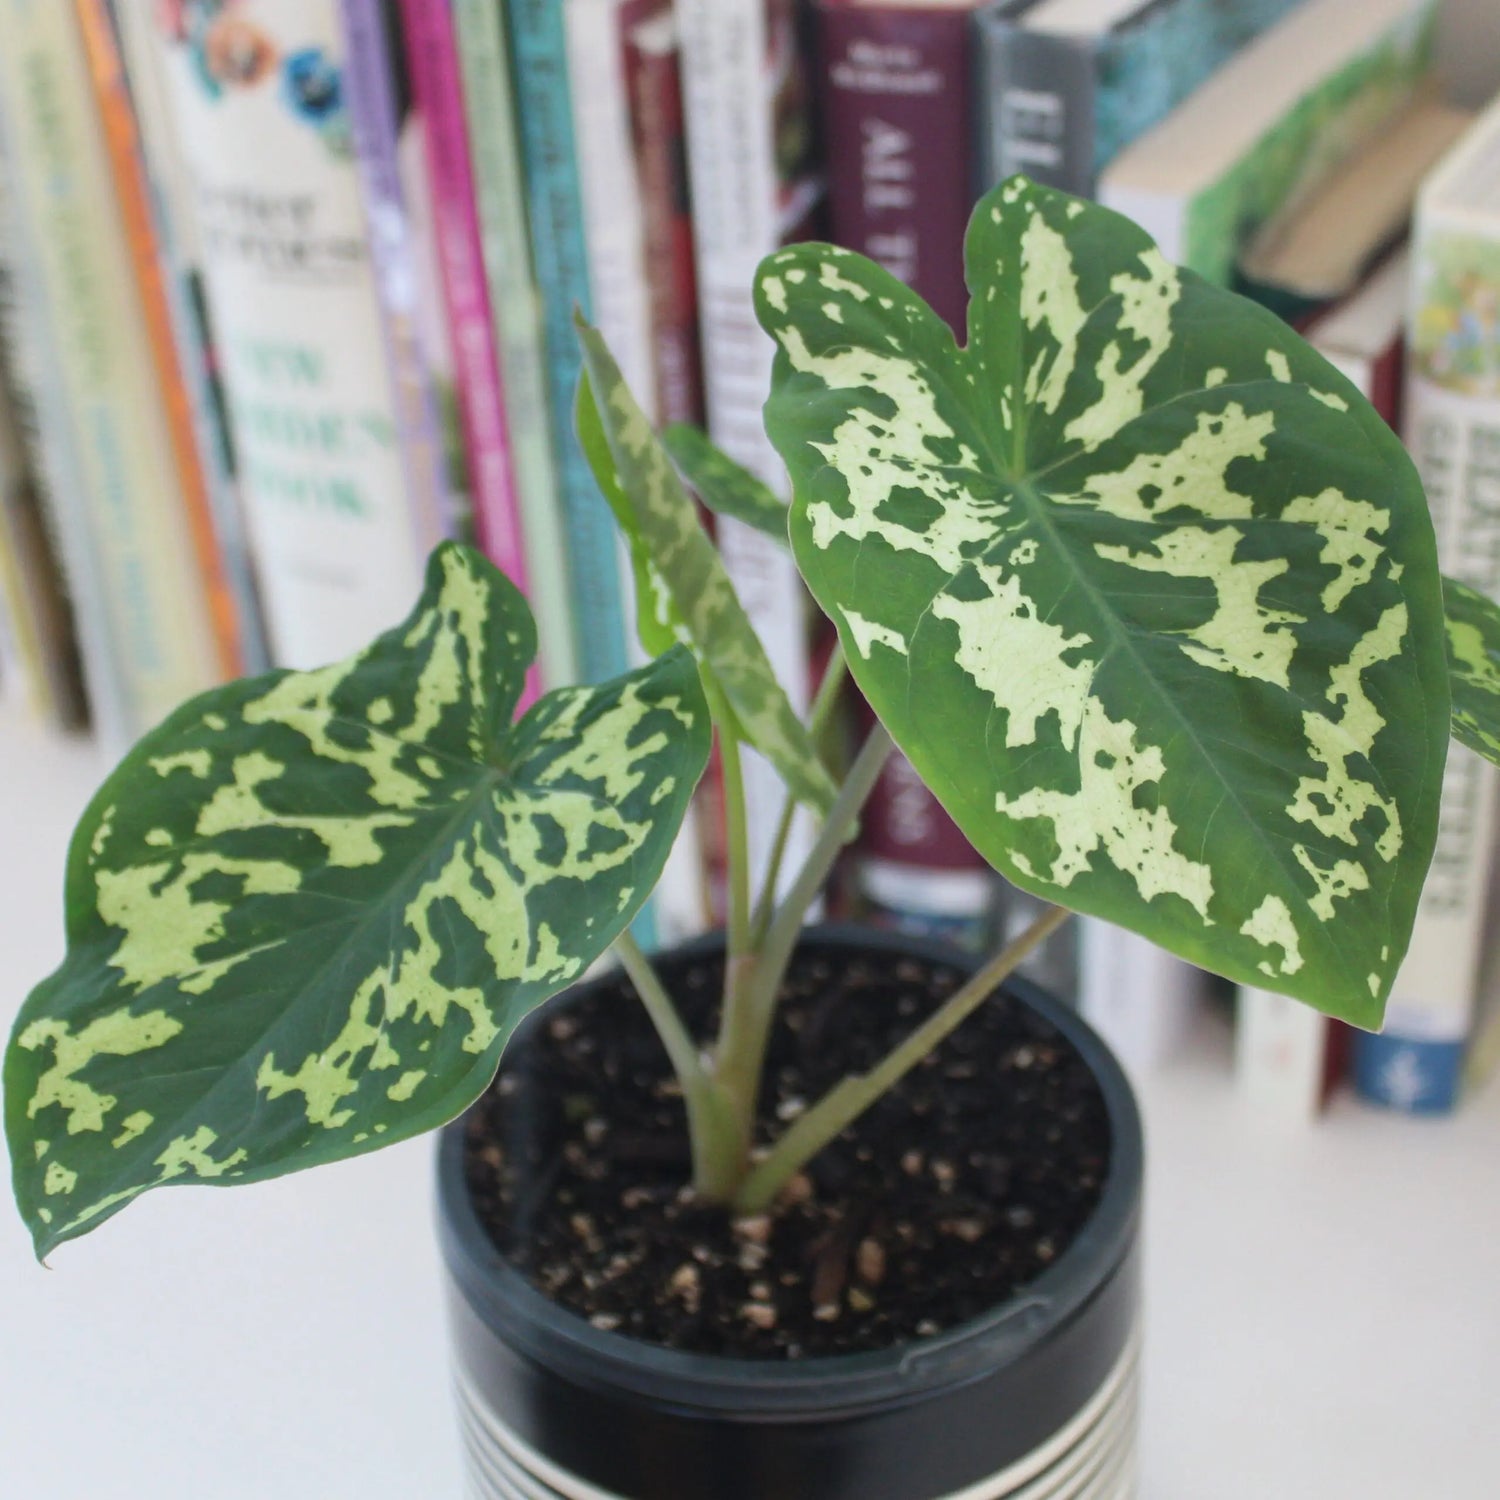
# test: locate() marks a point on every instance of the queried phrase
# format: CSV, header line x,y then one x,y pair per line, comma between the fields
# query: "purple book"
x,y
372,120
897,120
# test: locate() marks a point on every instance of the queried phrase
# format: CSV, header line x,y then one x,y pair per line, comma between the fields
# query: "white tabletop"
x,y
1323,1315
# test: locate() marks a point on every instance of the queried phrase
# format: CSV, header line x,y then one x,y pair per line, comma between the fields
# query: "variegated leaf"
x,y
658,624
305,913
722,485
1141,586
1474,667
699,600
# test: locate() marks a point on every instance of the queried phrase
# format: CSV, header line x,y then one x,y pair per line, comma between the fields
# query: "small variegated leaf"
x,y
1145,591
305,913
1474,667
722,485
700,603
658,625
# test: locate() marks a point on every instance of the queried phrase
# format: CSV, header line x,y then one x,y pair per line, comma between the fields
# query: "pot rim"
x,y
817,1385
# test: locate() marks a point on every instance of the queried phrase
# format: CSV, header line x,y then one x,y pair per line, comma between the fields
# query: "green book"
x,y
1270,123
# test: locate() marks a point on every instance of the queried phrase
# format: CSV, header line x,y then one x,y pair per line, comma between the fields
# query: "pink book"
x,y
437,87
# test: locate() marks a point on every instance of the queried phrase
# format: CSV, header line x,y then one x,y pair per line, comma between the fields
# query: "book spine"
x,y
264,134
1137,996
437,84
654,82
372,125
1035,104
897,110
43,620
741,80
916,871
1416,1062
539,52
126,164
154,602
500,198
1287,1056
188,307
1451,422
21,670
614,227
85,646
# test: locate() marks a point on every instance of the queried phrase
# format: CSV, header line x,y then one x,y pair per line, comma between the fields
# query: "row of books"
x,y
286,294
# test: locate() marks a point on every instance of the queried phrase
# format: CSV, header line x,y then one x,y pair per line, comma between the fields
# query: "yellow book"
x,y
89,312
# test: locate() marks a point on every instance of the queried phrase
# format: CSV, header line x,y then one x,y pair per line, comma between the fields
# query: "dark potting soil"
x,y
964,1183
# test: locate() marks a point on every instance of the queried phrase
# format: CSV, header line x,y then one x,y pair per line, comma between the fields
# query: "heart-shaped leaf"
x,y
1141,586
725,487
1474,667
305,913
692,593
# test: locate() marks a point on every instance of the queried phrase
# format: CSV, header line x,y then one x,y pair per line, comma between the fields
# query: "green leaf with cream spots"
x,y
658,624
1142,587
722,485
305,913
691,591
1474,667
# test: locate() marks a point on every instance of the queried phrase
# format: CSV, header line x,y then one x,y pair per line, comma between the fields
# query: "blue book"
x,y
1066,85
544,109
1416,1075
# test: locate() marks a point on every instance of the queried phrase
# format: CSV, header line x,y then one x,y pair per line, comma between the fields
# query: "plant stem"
x,y
750,1005
851,1097
737,839
718,1156
817,721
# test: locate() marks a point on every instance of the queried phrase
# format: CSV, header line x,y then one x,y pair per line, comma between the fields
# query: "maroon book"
x,y
896,90
654,84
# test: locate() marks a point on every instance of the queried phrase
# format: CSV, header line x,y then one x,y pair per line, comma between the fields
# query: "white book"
x,y
1281,1056
291,289
1451,426
736,55
1137,996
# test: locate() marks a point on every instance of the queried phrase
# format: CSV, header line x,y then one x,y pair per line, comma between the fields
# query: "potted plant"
x,y
1148,596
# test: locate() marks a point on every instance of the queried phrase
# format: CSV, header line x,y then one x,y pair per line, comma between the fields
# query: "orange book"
x,y
123,146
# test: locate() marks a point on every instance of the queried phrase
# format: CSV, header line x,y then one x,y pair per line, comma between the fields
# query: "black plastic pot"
x,y
1036,1399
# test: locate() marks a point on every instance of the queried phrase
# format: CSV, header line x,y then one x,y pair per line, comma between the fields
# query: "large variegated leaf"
x,y
724,486
1143,589
691,590
1474,667
304,914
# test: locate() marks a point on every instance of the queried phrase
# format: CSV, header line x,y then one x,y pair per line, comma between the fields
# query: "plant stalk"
x,y
823,704
718,1152
851,1097
750,1005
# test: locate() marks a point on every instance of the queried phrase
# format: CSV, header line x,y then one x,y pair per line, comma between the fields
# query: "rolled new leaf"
x,y
692,597
1144,589
725,487
305,913
1474,667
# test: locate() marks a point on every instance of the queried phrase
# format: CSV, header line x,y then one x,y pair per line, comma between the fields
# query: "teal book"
x,y
1068,84
515,304
1268,126
554,198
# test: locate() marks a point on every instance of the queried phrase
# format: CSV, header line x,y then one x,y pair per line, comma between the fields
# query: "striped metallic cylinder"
x,y
1092,1457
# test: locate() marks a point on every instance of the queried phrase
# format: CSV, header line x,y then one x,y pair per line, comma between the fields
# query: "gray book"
x,y
1065,85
